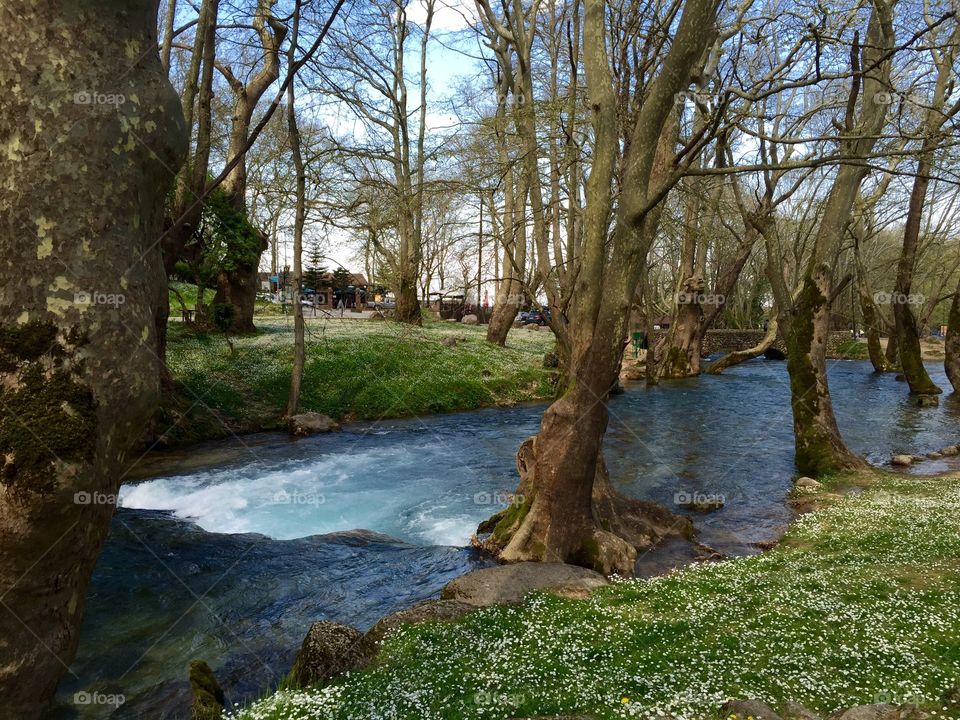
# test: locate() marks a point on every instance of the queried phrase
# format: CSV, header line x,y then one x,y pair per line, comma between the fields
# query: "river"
x,y
235,548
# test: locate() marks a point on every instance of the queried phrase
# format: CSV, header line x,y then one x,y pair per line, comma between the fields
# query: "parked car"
x,y
386,304
535,317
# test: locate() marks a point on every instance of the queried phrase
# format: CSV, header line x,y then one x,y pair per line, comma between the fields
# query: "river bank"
x,y
355,370
231,550
858,604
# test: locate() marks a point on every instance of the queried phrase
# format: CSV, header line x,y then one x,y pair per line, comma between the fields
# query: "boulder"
x,y
934,455
470,320
449,342
882,711
808,483
706,505
796,711
950,450
328,650
309,423
426,611
901,460
507,584
206,694
877,711
743,709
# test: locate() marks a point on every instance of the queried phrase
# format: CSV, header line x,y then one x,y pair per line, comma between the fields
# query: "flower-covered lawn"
x,y
859,604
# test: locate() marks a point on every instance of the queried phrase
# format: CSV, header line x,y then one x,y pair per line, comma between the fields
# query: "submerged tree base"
x,y
620,526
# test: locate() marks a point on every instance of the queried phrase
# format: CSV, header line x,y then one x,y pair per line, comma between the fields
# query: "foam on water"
x,y
400,489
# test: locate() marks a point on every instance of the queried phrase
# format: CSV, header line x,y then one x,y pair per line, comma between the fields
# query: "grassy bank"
x,y
355,370
859,604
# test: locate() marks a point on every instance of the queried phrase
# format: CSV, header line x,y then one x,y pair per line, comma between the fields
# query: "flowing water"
x,y
228,554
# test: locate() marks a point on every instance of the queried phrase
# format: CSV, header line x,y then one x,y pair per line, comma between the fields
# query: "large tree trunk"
x,y
819,447
908,334
85,177
568,513
238,286
565,509
951,344
408,303
871,321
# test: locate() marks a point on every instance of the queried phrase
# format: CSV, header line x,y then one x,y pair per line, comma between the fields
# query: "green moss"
x,y
48,414
815,451
510,519
28,341
208,697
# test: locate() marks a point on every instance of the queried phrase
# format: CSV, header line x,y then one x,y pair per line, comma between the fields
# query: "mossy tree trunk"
x,y
871,320
568,512
935,116
237,286
908,334
951,344
819,447
94,151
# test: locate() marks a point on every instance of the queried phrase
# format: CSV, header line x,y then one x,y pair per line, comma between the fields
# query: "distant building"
x,y
325,296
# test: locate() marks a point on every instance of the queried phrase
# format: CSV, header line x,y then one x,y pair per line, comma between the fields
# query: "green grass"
x,y
851,349
859,604
355,370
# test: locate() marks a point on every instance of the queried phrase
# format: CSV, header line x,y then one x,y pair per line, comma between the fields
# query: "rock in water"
x,y
470,320
743,709
901,460
507,584
309,423
207,703
328,650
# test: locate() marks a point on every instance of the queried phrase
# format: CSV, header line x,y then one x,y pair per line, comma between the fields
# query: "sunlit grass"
x,y
355,369
859,604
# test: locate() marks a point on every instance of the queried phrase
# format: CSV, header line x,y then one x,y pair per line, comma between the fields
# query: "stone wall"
x,y
729,340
